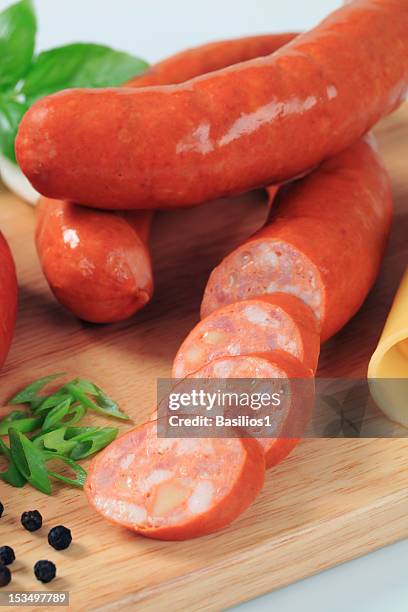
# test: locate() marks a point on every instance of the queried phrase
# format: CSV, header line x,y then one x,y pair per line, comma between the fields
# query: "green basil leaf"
x,y
12,476
11,113
30,393
56,414
93,442
79,471
20,421
79,65
29,461
18,29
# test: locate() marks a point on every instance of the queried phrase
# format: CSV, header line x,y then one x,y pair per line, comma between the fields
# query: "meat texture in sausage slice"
x,y
257,325
8,299
257,123
324,242
175,489
98,264
287,374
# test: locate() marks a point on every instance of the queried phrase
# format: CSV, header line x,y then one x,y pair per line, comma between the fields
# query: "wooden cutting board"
x,y
332,500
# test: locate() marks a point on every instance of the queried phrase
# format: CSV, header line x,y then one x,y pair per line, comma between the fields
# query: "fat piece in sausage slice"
x,y
258,325
292,415
175,489
8,299
324,242
257,123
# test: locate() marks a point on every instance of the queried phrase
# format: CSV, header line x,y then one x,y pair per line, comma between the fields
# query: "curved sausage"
x,y
175,489
292,418
258,123
8,299
258,325
208,58
98,264
323,243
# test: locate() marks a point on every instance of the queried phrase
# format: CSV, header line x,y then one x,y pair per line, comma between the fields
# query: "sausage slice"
x,y
258,325
175,489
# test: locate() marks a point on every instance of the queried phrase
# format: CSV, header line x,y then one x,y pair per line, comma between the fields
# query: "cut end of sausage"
x,y
175,489
263,267
258,325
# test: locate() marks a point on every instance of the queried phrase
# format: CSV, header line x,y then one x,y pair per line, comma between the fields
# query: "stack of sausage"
x,y
297,115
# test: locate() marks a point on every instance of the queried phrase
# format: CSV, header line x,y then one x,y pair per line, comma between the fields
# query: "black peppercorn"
x,y
45,571
1,509
7,555
31,520
5,576
59,537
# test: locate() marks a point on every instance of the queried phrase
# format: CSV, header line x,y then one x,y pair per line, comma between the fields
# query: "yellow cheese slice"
x,y
390,361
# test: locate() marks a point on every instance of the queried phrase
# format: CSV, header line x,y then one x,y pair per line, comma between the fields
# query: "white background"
x,y
154,29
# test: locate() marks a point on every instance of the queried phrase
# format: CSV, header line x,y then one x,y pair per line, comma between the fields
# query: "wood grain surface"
x,y
332,500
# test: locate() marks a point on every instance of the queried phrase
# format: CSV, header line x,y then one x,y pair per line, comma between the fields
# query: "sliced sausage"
x,y
8,299
175,489
280,369
323,242
258,123
258,325
98,265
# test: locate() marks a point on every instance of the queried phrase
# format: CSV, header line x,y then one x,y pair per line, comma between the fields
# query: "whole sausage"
x,y
323,243
98,264
175,489
257,325
8,299
258,123
295,410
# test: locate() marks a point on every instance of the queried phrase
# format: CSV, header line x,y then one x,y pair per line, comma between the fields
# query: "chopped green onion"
x,y
93,442
12,476
24,424
79,471
105,406
55,441
56,414
30,393
29,461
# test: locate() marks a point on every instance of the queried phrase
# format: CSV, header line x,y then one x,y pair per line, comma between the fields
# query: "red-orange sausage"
x,y
98,264
257,325
175,489
292,416
208,58
258,123
8,299
323,243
